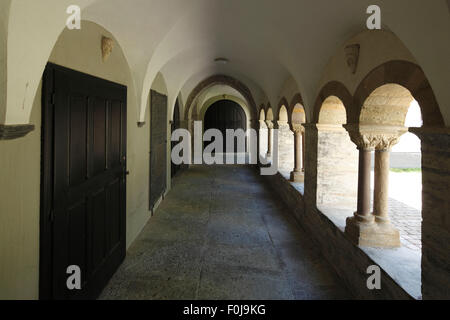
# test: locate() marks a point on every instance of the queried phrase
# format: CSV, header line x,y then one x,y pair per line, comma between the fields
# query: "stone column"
x,y
269,139
381,190
303,150
363,212
297,175
365,228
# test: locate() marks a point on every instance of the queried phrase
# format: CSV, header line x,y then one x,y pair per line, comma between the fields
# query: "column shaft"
x,y
269,143
364,184
298,151
381,190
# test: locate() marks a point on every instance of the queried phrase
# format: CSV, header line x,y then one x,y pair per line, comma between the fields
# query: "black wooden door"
x,y
158,146
223,115
84,182
175,125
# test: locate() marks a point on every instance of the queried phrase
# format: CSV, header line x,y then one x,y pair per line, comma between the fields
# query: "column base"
x,y
371,234
297,176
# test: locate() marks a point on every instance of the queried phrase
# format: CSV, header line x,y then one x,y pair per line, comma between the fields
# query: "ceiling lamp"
x,y
222,60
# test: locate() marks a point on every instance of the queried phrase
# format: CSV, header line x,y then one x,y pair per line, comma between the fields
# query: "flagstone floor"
x,y
220,234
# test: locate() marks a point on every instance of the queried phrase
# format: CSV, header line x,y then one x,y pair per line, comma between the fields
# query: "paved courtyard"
x,y
405,207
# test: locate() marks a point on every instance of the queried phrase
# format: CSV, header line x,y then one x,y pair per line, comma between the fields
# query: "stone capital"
x,y
282,124
379,137
262,124
297,128
270,124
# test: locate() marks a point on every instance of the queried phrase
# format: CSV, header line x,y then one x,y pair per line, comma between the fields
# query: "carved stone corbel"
x,y
107,47
352,56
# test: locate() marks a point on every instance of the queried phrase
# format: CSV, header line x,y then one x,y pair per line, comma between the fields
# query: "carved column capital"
x,y
298,128
262,124
369,137
270,124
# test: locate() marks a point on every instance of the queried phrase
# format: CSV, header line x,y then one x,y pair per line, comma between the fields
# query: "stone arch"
x,y
283,103
269,113
338,90
225,80
386,105
296,111
283,114
406,74
262,114
332,112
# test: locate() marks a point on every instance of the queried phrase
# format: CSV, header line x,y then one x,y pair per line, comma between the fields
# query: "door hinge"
x,y
51,216
53,98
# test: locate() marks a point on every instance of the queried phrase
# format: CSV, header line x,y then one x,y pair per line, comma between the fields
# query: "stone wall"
x,y
435,213
348,261
285,148
337,168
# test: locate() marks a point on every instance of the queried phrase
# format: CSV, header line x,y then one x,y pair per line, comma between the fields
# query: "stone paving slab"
x,y
239,243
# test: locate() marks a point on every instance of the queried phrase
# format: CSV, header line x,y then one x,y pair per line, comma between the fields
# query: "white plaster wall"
x,y
377,47
4,12
20,163
19,212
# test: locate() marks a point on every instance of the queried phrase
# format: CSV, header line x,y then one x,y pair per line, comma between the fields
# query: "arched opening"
x,y
337,158
298,118
263,134
285,143
224,115
176,124
332,112
396,162
270,125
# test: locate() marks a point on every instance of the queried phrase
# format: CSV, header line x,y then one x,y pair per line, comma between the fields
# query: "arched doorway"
x,y
174,126
223,115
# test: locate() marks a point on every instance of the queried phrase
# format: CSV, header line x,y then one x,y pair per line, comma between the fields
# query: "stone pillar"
x,y
303,150
435,212
366,229
262,141
269,139
381,190
297,175
363,212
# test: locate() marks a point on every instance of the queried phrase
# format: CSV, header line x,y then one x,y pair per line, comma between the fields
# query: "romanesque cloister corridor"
x,y
224,150
220,234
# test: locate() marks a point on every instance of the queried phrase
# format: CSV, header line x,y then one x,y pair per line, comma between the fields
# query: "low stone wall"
x,y
349,261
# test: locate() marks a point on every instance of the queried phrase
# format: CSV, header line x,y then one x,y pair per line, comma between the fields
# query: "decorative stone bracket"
x,y
352,56
10,132
379,137
107,47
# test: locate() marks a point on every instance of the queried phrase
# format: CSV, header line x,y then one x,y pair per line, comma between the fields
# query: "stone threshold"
x,y
401,265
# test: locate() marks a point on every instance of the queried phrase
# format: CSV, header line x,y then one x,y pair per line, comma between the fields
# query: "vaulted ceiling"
x,y
266,41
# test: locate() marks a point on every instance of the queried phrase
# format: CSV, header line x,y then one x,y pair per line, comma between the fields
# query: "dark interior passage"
x,y
223,115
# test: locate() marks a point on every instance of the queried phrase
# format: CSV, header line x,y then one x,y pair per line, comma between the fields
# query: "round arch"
x,y
338,90
225,80
283,103
262,114
406,74
296,101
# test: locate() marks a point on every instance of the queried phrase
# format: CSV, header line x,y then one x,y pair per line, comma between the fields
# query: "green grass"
x,y
406,170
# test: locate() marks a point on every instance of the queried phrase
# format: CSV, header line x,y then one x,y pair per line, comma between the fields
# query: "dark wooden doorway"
x,y
83,195
223,115
158,147
175,125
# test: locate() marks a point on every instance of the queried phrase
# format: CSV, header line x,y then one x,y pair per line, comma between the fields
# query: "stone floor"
x,y
220,235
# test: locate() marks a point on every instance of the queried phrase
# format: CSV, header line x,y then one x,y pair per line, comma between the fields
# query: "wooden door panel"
x,y
86,173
